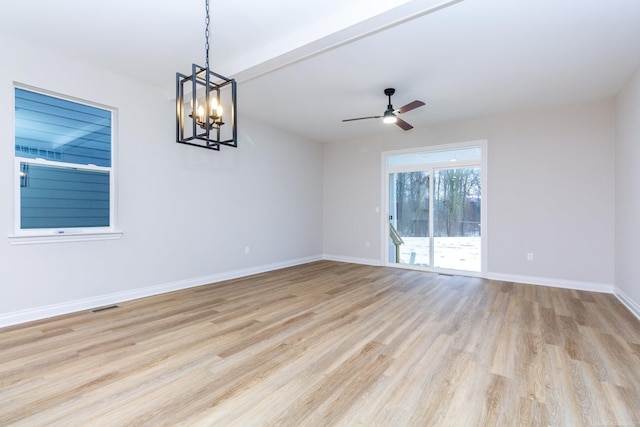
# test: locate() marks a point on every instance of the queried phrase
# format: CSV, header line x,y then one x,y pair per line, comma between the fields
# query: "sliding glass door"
x,y
409,218
457,214
435,210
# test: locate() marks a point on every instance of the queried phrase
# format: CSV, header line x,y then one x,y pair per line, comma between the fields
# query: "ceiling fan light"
x,y
389,117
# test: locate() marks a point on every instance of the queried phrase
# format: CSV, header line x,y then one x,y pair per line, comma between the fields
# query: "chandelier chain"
x,y
206,33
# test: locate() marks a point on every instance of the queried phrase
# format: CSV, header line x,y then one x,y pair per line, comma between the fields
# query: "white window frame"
x,y
52,235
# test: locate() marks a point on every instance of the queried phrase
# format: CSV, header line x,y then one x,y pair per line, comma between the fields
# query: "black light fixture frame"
x,y
204,133
206,128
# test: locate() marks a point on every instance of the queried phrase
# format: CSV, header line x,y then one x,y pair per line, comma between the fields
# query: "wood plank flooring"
x,y
331,344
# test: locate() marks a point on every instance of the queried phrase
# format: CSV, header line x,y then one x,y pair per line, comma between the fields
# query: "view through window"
x,y
435,209
63,152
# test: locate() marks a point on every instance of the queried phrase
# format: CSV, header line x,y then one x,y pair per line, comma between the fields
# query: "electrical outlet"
x,y
367,244
246,250
529,256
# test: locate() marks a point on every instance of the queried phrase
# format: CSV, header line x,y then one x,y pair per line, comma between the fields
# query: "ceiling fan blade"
x,y
410,106
362,118
404,125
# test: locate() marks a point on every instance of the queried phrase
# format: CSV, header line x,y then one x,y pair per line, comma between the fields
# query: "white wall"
x,y
550,192
627,272
187,213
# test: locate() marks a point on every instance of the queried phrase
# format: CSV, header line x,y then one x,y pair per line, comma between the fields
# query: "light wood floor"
x,y
331,344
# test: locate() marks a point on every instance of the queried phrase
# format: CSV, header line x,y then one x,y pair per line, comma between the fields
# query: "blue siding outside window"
x,y
56,197
69,184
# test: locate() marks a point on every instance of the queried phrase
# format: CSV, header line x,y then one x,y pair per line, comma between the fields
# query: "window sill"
x,y
59,238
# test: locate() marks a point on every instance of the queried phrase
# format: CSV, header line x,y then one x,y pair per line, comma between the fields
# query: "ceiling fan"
x,y
390,115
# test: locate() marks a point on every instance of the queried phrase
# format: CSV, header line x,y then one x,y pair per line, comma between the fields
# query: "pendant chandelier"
x,y
206,105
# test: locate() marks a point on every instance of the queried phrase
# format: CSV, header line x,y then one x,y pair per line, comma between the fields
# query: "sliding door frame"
x,y
384,226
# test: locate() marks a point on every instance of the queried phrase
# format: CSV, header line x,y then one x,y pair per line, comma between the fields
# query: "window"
x,y
63,155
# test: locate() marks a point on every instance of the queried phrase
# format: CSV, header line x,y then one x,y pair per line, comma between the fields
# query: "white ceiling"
x,y
305,65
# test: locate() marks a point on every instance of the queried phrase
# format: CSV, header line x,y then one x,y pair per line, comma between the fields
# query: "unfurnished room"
x,y
320,213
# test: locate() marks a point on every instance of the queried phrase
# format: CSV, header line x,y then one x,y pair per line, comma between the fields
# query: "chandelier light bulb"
x,y
216,109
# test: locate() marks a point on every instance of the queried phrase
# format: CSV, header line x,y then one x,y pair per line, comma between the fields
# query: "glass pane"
x,y
59,197
409,218
457,202
59,130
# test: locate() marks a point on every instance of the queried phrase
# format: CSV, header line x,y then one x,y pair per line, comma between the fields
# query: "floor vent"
x,y
444,274
109,307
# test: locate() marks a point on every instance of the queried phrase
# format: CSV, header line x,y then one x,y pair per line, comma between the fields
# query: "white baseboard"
x,y
554,283
37,313
351,260
628,302
530,280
